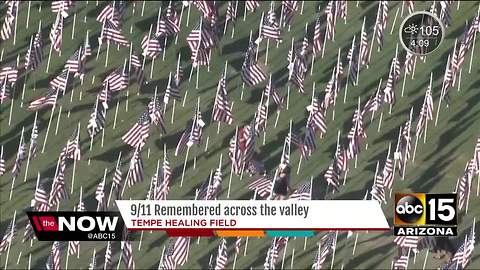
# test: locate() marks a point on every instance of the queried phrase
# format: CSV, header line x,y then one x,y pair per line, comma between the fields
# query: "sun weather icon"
x,y
411,29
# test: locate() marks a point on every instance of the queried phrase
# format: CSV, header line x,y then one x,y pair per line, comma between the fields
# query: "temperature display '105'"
x,y
421,33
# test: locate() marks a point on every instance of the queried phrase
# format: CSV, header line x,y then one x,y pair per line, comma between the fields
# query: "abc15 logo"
x,y
425,209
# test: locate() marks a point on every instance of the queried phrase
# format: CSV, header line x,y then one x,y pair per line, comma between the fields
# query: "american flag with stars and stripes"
x,y
56,33
252,72
34,55
137,135
135,171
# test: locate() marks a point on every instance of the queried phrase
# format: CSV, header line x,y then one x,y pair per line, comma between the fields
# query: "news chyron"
x,y
425,214
77,226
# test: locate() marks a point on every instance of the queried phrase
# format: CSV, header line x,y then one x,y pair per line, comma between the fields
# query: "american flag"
x,y
135,171
111,13
56,33
8,237
221,106
105,95
270,28
72,149
273,252
137,68
326,246
34,57
162,188
251,5
272,91
464,186
476,155
54,259
58,191
21,156
297,69
9,75
261,116
182,143
309,143
87,49
169,24
5,90
252,73
248,135
172,91
289,8
426,113
404,146
41,198
127,254
62,7
114,33
117,79
238,244
231,14
3,168
341,159
117,181
7,26
406,242
364,47
393,76
262,186
138,134
100,196
317,42
331,176
156,114
196,130
378,190
176,252
208,9
97,119
60,81
302,193
108,256
353,63
388,174
409,64
331,13
152,45
401,263
316,118
74,63
342,9
222,255
381,22
235,153
210,189
410,6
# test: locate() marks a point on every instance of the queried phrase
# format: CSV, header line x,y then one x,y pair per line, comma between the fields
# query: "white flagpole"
x,y
15,30
394,20
49,123
11,240
73,25
49,57
58,119
111,187
28,14
75,163
442,93
350,62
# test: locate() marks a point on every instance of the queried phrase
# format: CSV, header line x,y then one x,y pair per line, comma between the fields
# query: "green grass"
x,y
438,164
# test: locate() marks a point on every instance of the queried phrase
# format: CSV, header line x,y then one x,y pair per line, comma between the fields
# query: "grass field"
x,y
439,162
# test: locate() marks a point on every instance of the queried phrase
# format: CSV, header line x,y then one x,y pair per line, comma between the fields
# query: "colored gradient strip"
x,y
190,232
240,233
296,233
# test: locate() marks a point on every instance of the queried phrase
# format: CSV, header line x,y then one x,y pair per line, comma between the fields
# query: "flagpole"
x,y
259,35
116,113
75,162
28,14
336,71
188,15
29,151
293,258
49,57
374,32
349,67
231,169
473,44
73,25
11,239
268,103
111,187
394,20
15,176
58,119
15,30
106,56
405,156
442,94
233,27
284,253
180,22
